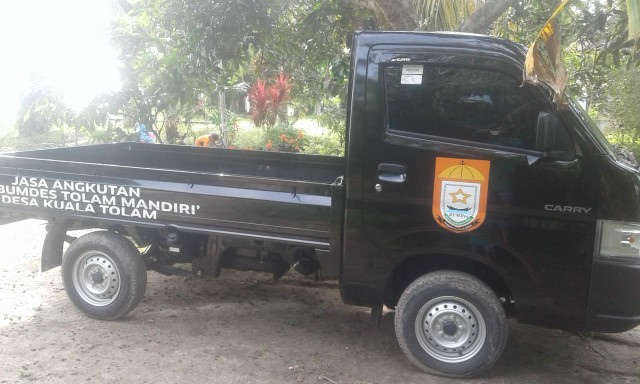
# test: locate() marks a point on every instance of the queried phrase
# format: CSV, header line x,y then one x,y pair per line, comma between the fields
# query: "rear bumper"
x,y
614,300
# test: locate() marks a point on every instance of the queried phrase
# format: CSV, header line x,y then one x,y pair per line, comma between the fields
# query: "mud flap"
x,y
53,245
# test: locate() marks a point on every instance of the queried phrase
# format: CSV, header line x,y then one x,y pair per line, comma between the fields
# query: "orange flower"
x,y
292,140
300,134
283,137
268,145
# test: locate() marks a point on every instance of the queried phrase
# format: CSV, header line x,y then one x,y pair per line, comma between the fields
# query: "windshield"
x,y
590,124
619,152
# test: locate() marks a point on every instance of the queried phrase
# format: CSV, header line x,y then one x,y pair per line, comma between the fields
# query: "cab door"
x,y
463,107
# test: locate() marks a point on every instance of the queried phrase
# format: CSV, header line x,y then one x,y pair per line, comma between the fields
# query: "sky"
x,y
66,43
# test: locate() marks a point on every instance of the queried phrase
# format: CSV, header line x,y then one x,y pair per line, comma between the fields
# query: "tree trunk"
x,y
172,133
485,15
222,105
397,13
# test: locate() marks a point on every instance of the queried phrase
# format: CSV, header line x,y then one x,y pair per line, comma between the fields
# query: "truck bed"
x,y
266,195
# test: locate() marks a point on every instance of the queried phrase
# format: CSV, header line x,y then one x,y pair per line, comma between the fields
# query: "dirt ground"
x,y
245,328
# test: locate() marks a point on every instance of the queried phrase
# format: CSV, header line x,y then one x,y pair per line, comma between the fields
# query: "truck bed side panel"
x,y
240,195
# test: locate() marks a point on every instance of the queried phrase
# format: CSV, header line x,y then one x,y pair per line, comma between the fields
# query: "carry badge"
x,y
460,193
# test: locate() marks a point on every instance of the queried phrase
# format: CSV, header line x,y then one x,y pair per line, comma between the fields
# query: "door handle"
x,y
392,173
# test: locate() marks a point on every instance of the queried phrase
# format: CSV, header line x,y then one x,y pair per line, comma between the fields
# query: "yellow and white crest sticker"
x,y
460,193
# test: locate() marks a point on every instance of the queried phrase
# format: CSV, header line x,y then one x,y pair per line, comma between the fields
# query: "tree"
x,y
41,108
156,75
179,53
622,103
472,16
175,51
480,21
397,14
633,10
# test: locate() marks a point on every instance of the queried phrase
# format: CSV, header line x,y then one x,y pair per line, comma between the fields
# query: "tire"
x,y
104,275
450,323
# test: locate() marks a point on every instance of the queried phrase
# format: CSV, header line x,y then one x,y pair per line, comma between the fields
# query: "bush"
x,y
327,144
12,143
284,138
333,118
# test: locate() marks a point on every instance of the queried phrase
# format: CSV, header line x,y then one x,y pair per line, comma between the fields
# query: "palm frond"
x,y
443,15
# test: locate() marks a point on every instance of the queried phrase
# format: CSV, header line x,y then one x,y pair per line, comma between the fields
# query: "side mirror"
x,y
552,139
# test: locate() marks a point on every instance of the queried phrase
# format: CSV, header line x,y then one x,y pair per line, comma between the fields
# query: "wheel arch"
x,y
58,234
412,267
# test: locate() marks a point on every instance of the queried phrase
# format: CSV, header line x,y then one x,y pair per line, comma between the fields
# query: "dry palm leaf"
x,y
545,65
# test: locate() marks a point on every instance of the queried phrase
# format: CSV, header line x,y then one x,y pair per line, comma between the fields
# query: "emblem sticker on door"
x,y
460,193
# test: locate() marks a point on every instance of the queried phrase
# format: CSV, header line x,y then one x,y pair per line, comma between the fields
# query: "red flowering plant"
x,y
268,100
268,109
259,98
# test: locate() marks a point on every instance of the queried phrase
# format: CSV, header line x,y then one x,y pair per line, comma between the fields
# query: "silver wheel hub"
x,y
96,278
450,329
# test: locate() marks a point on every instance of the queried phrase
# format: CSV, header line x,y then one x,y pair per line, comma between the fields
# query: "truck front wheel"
x,y
104,275
450,323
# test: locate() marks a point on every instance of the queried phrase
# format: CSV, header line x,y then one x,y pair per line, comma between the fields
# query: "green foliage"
x,y
634,148
112,135
326,144
333,118
155,76
41,108
215,34
179,56
13,142
310,42
231,123
284,138
249,138
633,6
287,139
622,104
442,15
594,40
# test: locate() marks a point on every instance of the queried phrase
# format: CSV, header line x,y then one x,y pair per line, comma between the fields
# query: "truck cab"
x,y
454,164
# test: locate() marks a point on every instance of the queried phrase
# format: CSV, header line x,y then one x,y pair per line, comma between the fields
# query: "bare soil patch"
x,y
246,328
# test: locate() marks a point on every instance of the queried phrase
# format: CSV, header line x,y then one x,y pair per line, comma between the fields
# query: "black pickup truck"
x,y
464,197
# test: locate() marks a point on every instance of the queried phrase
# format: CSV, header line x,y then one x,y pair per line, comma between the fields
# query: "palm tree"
x,y
633,10
443,15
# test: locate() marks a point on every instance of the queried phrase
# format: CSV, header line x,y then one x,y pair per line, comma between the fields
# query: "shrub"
x,y
284,138
268,100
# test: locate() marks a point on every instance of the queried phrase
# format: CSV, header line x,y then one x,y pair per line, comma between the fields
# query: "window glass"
x,y
459,103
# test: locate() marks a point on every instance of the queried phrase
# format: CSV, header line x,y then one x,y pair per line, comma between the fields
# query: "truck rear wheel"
x,y
450,323
104,275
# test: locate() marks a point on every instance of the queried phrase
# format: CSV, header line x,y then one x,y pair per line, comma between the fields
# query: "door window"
x,y
459,103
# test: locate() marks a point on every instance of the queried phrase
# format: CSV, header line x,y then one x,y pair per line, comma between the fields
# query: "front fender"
x,y
472,247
